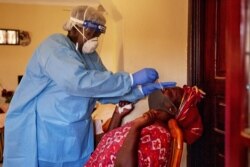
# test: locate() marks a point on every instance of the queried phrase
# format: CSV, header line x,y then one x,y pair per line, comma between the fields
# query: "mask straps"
x,y
84,15
80,22
76,20
80,32
77,46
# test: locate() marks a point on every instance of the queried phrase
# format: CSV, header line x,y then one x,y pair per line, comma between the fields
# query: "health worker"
x,y
49,120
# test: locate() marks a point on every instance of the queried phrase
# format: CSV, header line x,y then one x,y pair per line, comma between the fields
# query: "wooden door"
x,y
219,62
238,84
207,70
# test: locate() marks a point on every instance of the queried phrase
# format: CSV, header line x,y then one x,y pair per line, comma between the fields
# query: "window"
x,y
9,37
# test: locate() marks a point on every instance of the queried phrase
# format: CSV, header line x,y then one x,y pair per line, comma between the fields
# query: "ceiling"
x,y
102,5
54,2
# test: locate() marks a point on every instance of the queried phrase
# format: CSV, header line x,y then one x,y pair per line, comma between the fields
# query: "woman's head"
x,y
186,113
174,94
165,103
167,100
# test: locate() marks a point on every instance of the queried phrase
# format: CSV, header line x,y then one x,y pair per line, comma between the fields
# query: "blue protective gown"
x,y
49,119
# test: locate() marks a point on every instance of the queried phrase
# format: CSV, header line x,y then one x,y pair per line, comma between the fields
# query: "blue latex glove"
x,y
151,87
144,76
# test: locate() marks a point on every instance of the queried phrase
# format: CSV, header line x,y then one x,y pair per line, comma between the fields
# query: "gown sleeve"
x,y
71,72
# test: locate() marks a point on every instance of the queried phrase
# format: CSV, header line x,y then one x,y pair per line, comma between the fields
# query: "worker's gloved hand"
x,y
151,87
144,76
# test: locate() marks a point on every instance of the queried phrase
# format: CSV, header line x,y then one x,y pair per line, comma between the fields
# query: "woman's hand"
x,y
124,108
146,119
121,110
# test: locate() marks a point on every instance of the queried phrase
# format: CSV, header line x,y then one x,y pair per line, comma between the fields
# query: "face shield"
x,y
93,26
98,28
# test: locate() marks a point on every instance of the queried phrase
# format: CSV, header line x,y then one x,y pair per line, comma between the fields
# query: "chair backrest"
x,y
177,143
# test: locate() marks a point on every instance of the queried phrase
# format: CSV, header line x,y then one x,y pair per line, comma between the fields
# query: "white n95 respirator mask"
x,y
90,45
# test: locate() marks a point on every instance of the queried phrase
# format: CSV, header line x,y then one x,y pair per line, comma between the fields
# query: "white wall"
x,y
150,33
154,34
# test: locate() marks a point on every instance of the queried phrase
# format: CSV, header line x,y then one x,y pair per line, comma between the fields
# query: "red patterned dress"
x,y
154,147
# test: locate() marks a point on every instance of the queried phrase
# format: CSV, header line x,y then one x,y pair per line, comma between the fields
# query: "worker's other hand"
x,y
151,87
144,76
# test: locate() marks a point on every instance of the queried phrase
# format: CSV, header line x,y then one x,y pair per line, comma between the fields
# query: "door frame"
x,y
195,62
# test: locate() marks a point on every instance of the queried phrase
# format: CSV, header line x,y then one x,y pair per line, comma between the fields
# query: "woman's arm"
x,y
123,109
127,156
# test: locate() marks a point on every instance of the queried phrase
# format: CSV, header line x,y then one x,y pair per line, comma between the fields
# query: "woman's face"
x,y
172,99
166,102
163,116
174,94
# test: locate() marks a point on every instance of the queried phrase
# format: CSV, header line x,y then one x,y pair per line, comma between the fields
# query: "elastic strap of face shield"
x,y
76,20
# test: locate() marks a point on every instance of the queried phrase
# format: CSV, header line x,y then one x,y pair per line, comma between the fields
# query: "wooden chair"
x,y
177,143
105,126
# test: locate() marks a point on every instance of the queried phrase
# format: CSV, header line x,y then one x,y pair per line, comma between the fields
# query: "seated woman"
x,y
146,140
